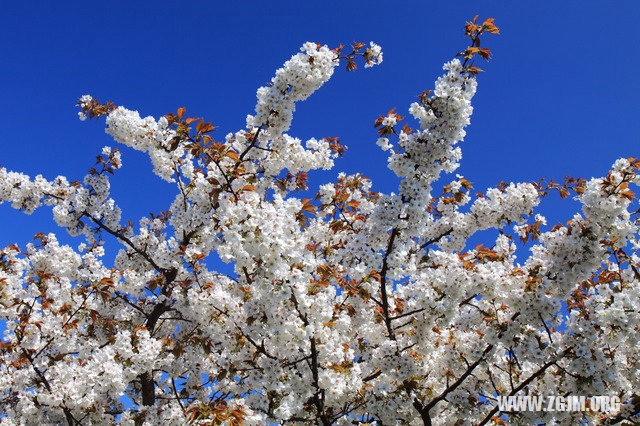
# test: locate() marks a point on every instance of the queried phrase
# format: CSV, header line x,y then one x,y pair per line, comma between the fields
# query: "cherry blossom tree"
x,y
350,307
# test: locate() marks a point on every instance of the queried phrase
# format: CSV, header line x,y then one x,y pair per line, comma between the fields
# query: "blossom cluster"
x,y
353,306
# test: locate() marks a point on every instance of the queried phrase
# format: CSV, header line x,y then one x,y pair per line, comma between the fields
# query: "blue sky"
x,y
560,96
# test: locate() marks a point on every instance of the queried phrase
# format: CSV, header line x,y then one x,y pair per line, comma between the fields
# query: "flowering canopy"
x,y
354,306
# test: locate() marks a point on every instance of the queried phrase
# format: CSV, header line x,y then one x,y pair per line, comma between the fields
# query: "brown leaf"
x,y
233,155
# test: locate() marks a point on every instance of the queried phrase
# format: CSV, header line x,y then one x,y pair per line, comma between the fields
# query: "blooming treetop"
x,y
351,307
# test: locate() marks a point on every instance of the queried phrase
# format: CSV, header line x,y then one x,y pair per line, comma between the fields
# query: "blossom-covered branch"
x,y
348,307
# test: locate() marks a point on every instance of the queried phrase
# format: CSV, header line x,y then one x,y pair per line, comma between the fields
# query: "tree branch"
x,y
424,410
127,241
436,239
526,382
383,284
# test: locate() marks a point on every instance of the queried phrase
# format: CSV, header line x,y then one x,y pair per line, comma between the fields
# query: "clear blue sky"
x,y
560,96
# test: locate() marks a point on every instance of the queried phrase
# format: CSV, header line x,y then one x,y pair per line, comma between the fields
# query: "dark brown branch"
x,y
510,364
294,363
154,316
545,327
436,239
406,314
63,325
467,300
224,175
635,409
260,348
372,376
147,384
175,392
147,387
181,187
251,145
458,382
318,397
67,413
383,284
424,409
126,240
424,414
525,383
129,302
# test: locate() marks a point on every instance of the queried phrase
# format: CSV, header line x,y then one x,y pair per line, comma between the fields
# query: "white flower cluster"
x,y
352,305
374,52
84,101
145,135
299,77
